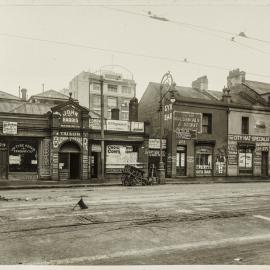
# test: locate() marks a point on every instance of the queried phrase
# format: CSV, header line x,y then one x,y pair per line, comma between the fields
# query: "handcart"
x,y
132,176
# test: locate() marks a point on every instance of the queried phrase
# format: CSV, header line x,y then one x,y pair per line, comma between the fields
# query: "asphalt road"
x,y
170,224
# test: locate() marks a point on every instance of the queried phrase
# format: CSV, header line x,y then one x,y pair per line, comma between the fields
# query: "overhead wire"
x,y
163,58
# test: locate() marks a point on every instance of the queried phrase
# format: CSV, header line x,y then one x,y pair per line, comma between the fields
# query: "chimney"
x,y
115,114
235,77
201,83
133,110
24,94
226,97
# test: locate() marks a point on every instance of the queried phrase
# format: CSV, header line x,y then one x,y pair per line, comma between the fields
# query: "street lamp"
x,y
167,85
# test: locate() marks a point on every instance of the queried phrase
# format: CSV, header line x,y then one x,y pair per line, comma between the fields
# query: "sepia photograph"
x,y
135,134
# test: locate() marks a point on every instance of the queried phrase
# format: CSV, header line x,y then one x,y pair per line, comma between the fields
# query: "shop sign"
x,y
95,123
96,148
10,128
118,125
70,117
14,160
22,148
186,134
155,143
187,121
249,138
69,133
58,140
155,153
137,126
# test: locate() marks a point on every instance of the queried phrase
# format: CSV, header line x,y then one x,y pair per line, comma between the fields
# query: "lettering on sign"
x,y
249,138
22,148
155,143
70,116
57,140
10,128
188,121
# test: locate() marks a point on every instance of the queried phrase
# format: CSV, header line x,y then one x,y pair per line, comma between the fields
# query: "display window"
x,y
23,157
204,161
245,157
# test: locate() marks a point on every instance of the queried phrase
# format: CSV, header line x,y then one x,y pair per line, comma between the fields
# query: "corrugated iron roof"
x,y
32,108
51,94
260,87
5,95
8,106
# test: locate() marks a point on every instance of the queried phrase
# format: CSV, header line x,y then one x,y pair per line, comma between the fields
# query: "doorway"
x,y
3,164
94,165
69,161
264,163
181,161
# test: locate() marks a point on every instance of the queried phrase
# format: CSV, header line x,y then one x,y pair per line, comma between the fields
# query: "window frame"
x,y
208,126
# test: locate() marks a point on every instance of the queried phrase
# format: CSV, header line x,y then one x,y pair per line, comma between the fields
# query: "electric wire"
x,y
163,58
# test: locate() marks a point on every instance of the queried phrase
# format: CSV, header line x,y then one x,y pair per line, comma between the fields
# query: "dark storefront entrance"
x,y
264,163
69,161
181,160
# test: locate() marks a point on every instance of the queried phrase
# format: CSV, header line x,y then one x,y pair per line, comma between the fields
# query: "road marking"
x,y
162,249
262,217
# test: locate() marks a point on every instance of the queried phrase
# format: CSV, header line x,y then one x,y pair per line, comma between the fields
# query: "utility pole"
x,y
102,127
43,88
19,91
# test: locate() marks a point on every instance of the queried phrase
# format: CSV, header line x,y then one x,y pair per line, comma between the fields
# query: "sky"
x,y
50,42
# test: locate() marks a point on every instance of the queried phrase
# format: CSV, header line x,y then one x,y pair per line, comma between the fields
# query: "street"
x,y
167,224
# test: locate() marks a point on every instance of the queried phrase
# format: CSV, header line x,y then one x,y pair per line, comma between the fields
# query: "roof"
x,y
32,108
185,92
260,87
216,94
5,95
52,94
7,106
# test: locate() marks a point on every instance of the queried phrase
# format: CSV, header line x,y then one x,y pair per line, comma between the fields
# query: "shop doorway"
x,y
94,165
69,161
181,160
3,164
264,163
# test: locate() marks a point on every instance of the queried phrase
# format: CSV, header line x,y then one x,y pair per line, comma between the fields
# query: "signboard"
x,y
187,124
117,156
155,153
249,138
137,126
22,148
118,125
9,128
155,144
96,148
70,116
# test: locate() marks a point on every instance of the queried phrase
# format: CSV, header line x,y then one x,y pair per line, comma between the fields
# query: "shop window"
x,y
204,160
245,125
245,158
23,157
207,123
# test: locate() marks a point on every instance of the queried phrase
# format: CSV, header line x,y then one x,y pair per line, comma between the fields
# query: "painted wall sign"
x,y
155,153
70,116
249,138
10,128
118,125
187,121
155,144
57,140
137,126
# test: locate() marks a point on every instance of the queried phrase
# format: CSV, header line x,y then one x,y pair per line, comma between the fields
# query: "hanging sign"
x,y
155,144
10,128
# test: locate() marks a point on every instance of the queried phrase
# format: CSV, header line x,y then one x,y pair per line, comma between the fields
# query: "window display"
x,y
23,157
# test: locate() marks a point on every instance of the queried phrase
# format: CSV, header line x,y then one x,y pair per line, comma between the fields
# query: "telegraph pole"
x,y
102,127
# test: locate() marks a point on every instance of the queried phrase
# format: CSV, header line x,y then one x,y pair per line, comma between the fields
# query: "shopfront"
x,y
245,158
203,160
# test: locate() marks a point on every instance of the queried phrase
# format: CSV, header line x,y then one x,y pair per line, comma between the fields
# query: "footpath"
x,y
30,184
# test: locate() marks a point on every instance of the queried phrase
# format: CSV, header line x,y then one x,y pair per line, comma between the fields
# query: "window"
x,y
112,88
112,102
96,101
125,105
126,89
245,125
124,115
23,157
245,158
207,123
96,87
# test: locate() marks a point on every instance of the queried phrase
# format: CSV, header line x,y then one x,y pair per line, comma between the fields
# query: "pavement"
x,y
32,184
